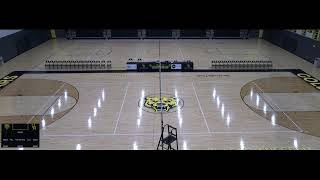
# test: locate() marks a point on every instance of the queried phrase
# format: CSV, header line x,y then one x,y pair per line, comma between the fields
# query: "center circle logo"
x,y
153,104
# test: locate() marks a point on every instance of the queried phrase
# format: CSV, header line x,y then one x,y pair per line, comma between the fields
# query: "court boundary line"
x,y
21,73
125,95
180,134
130,71
205,120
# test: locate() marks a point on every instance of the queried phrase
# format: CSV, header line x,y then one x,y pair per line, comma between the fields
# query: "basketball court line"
x,y
137,51
218,49
49,102
301,130
99,83
152,134
46,110
270,100
205,120
41,64
146,72
124,98
252,132
181,54
141,51
141,82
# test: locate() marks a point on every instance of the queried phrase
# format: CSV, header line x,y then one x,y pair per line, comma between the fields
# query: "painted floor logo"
x,y
168,103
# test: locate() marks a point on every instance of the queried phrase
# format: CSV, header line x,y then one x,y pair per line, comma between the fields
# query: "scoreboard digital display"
x,y
20,135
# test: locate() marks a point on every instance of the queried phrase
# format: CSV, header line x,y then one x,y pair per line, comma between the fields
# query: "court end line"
x,y
151,134
124,98
205,120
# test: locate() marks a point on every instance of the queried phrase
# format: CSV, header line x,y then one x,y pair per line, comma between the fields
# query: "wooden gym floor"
x,y
221,110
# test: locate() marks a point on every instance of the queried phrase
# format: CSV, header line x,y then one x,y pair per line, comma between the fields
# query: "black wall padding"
x,y
122,33
193,33
290,44
160,33
17,43
227,33
23,45
89,33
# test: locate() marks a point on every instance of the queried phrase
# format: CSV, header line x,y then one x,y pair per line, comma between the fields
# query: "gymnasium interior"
x,y
160,89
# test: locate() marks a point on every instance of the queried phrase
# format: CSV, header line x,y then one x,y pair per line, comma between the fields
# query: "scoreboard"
x,y
166,66
20,135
